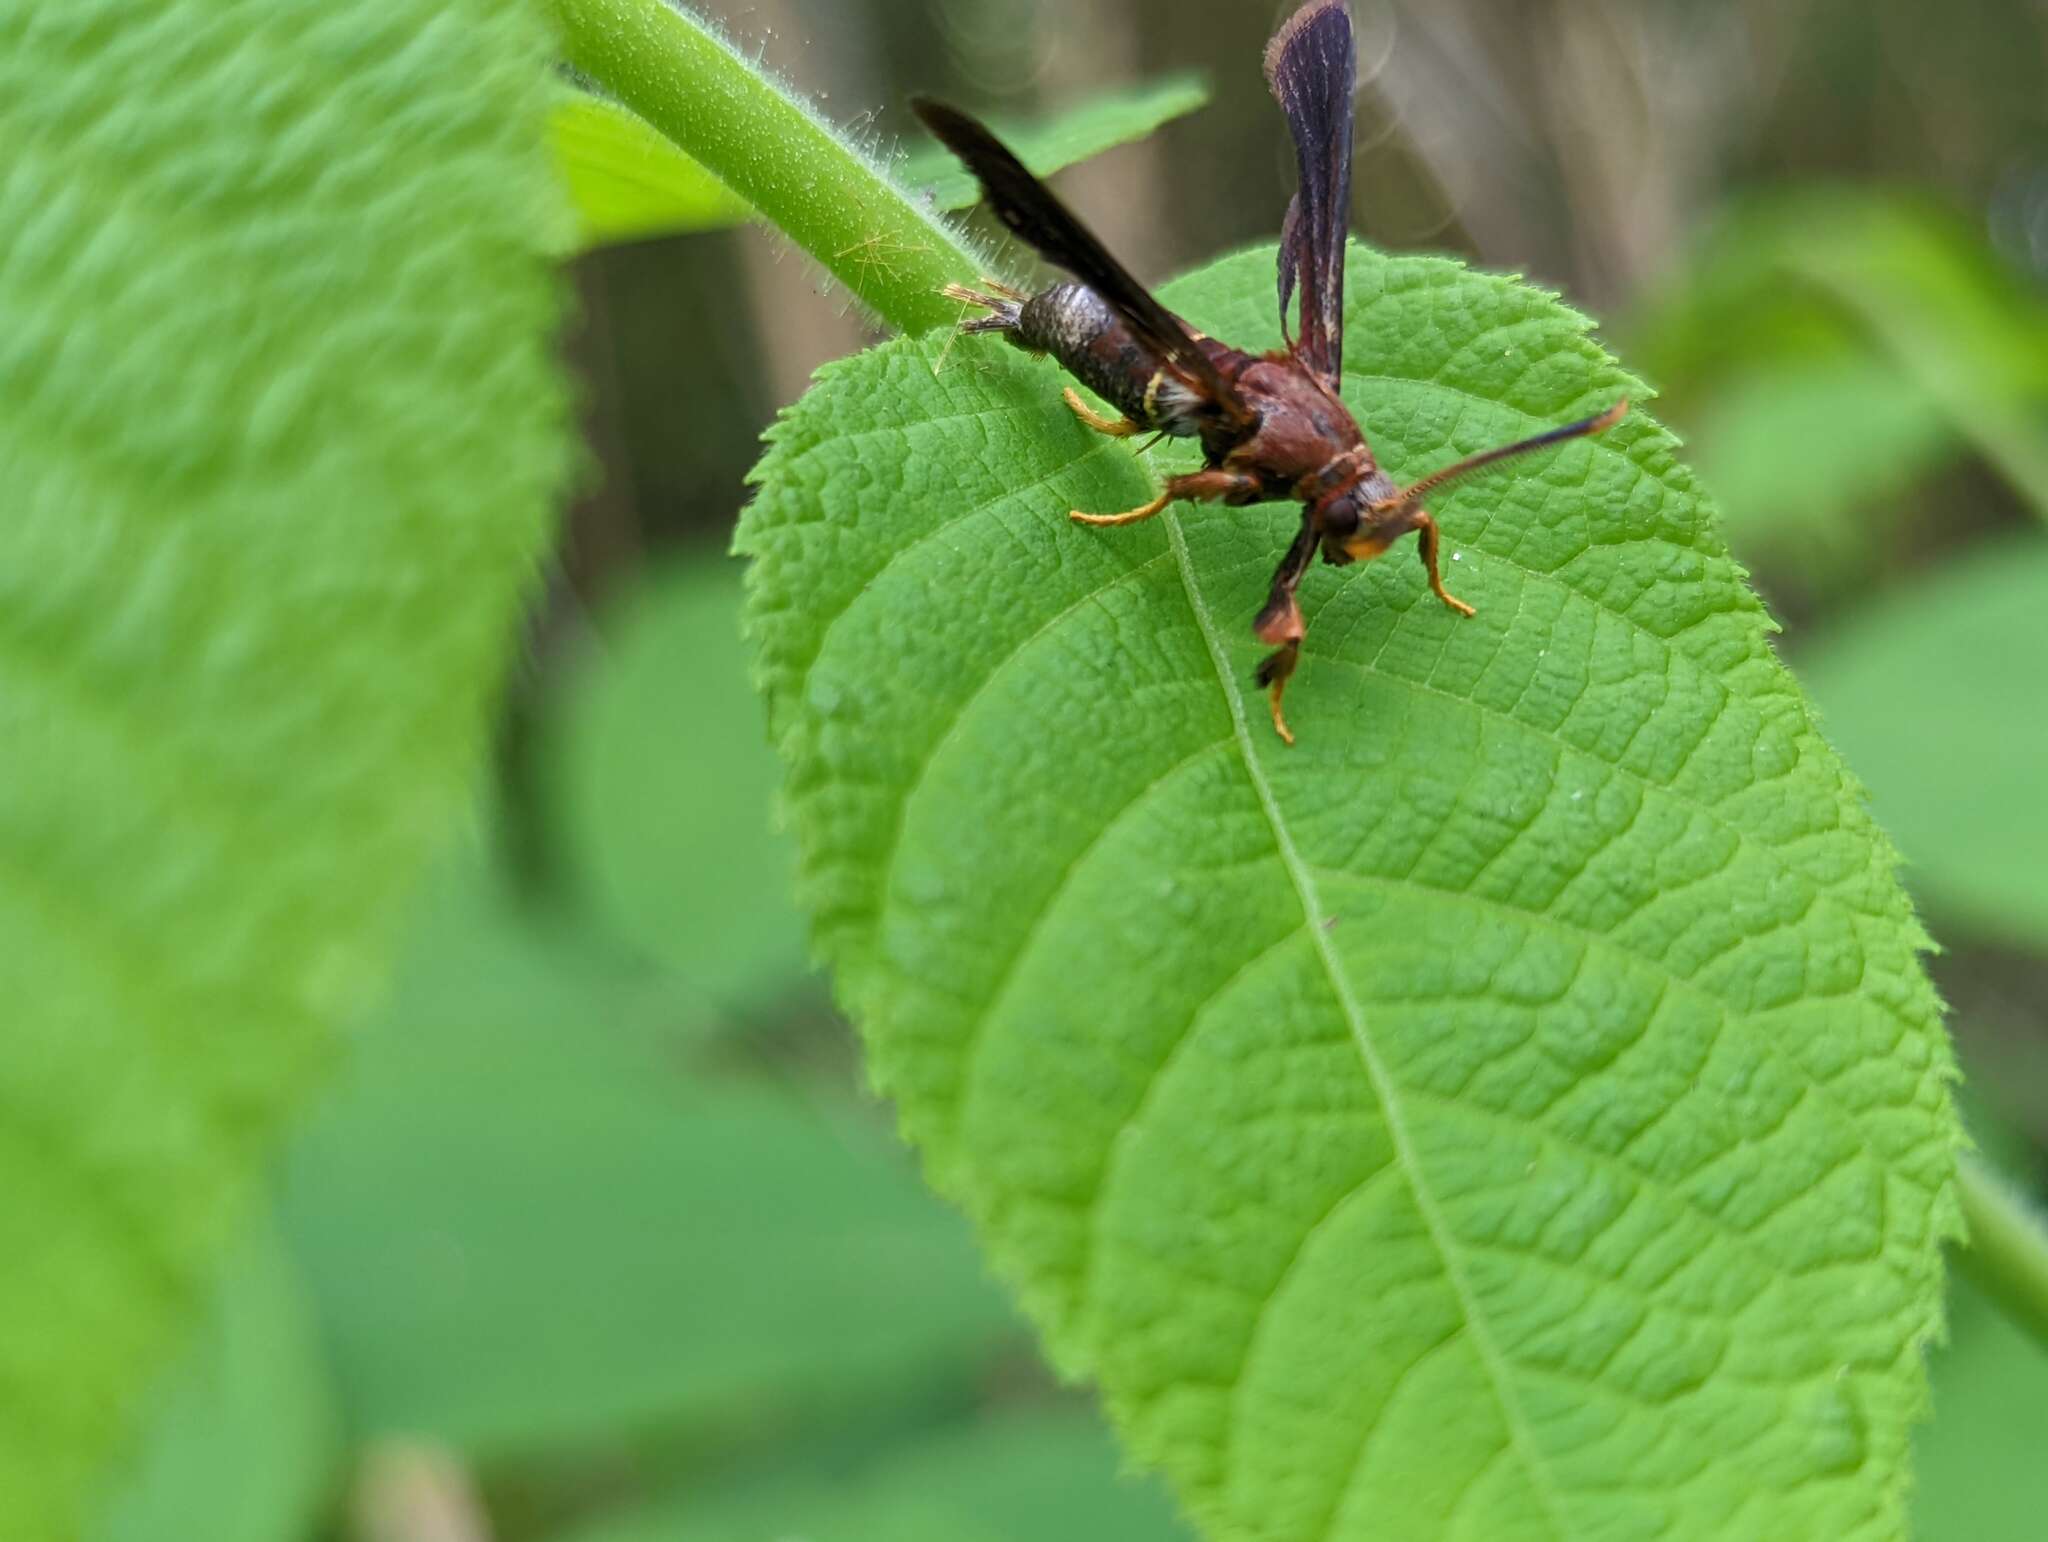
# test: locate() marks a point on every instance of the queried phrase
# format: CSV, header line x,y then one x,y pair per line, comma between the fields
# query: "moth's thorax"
x,y
1306,443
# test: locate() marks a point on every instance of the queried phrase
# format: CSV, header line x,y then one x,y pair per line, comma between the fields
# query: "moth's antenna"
x,y
1413,494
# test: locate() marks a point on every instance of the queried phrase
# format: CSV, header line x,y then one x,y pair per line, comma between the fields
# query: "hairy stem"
x,y
891,249
2007,1256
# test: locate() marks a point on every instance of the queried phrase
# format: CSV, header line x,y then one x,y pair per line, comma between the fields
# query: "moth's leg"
x,y
1426,534
1280,621
1275,669
1116,428
1128,517
1217,485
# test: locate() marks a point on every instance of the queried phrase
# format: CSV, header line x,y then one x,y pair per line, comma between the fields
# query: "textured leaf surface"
x,y
627,180
1935,692
1517,1112
279,433
577,1233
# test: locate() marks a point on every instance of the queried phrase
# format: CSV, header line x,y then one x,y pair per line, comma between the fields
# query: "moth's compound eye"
x,y
1339,517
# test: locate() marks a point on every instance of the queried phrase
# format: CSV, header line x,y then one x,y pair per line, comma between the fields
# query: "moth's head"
x,y
1347,518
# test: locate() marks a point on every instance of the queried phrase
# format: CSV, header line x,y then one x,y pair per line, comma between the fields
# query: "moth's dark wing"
x,y
1029,208
1311,68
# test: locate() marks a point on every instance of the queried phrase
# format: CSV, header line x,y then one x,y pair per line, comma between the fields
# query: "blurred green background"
x,y
598,1236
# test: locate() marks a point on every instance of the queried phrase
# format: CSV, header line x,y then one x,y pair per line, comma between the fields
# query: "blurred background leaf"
x,y
1980,1477
538,1230
1021,1477
243,1441
658,789
1977,1476
579,1233
1811,456
1838,351
625,179
1934,691
1054,143
282,432
628,181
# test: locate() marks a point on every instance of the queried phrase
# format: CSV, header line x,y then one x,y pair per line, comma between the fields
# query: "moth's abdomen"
x,y
1073,324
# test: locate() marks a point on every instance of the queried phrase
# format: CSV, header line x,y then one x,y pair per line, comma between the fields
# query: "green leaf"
x,y
1933,691
628,180
280,434
529,1225
1519,1111
661,788
242,1444
1019,1477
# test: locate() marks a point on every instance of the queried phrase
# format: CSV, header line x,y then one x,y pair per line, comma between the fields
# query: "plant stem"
x,y
2007,1255
767,145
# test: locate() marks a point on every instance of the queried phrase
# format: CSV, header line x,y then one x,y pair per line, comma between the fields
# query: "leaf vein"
x,y
1376,1072
977,1032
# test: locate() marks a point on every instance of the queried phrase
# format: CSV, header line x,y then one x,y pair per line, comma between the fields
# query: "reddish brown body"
x,y
1296,439
1272,426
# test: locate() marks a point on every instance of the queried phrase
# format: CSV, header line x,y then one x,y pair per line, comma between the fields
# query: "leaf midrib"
x,y
1376,1072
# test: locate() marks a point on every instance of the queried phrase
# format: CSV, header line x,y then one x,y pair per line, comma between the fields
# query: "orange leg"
x,y
1128,517
1275,669
1426,531
1116,428
1197,486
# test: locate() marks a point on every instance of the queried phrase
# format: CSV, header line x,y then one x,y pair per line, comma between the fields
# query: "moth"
x,y
1271,425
